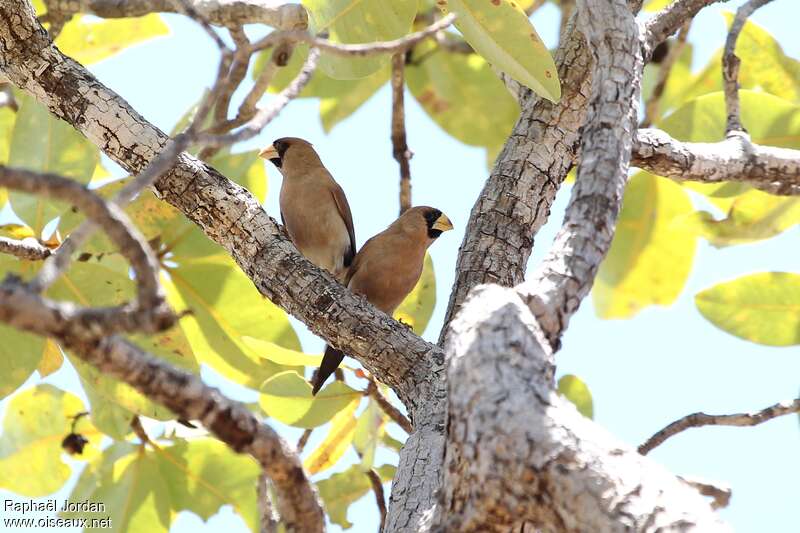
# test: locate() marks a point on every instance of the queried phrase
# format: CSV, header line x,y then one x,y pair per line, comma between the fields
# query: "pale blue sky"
x,y
643,373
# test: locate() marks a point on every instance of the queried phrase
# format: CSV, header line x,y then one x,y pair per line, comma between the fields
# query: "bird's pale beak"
x,y
269,153
443,223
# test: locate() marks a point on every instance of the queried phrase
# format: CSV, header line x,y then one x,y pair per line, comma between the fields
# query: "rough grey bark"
x,y
275,13
551,467
27,248
566,274
516,200
775,170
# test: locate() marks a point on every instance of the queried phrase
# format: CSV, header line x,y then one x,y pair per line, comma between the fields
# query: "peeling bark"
x,y
551,467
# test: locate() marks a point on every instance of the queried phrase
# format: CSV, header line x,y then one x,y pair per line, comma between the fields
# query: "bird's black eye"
x,y
281,146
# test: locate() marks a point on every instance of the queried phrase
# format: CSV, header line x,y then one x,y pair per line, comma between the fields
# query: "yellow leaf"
x,y
90,42
652,252
340,435
51,360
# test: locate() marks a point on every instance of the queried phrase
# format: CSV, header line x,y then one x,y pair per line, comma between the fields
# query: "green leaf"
x,y
203,475
20,352
764,66
447,84
576,391
500,31
359,21
769,119
42,143
92,284
286,397
336,442
107,414
417,308
763,308
652,251
89,41
368,431
340,490
279,354
752,216
36,421
132,486
334,109
225,307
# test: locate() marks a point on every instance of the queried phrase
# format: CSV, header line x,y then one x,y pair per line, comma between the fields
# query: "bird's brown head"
x,y
291,153
425,219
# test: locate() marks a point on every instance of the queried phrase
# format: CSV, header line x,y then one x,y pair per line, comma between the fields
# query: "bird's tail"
x,y
330,362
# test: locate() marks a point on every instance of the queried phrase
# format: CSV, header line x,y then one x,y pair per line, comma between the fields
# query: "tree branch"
x,y
27,248
669,20
361,49
400,149
228,13
696,420
653,104
551,466
151,309
183,393
226,212
775,170
387,407
730,66
380,498
567,273
515,202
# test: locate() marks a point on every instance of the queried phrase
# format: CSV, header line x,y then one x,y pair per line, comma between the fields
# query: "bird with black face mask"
x,y
314,209
387,268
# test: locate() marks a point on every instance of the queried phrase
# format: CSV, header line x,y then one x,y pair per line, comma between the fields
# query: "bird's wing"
x,y
347,216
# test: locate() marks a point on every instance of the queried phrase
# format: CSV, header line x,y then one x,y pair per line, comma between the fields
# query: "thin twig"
x,y
303,440
380,498
696,420
264,116
399,145
111,218
653,104
730,65
57,264
138,430
384,403
28,248
669,20
361,49
237,72
247,109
